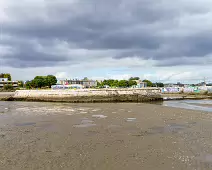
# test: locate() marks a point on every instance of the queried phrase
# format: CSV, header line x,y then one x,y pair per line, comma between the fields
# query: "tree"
x,y
39,81
109,82
115,83
28,85
134,78
8,87
42,81
158,84
6,75
131,83
21,84
149,83
123,83
99,84
51,80
85,78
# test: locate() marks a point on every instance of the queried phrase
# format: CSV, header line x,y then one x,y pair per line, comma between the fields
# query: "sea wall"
x,y
90,95
4,95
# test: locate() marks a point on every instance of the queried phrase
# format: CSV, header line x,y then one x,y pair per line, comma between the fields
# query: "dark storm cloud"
x,y
164,31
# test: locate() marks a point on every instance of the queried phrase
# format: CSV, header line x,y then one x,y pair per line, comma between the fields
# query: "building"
x,y
4,81
84,83
72,86
140,84
201,84
173,85
176,85
106,86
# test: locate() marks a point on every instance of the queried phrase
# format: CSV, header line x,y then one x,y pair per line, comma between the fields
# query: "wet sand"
x,y
103,136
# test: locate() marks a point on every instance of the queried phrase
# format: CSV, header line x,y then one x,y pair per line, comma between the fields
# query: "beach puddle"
x,y
99,116
26,124
95,110
113,126
131,119
85,123
48,110
171,128
49,127
83,112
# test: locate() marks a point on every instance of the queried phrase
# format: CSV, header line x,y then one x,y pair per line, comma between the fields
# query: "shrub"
x,y
8,87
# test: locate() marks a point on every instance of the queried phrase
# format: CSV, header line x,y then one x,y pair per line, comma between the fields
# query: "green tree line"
x,y
150,84
127,83
117,83
41,82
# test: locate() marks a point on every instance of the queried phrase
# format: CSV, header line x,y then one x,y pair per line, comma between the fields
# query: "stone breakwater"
x,y
88,95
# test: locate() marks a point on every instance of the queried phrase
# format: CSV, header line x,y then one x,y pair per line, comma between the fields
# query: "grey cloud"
x,y
148,29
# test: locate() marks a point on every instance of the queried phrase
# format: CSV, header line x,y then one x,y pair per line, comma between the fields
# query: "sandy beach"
x,y
103,136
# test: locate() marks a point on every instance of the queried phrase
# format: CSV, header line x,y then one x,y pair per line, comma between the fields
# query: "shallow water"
x,y
26,124
201,105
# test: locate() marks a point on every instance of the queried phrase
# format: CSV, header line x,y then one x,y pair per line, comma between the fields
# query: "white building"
x,y
72,86
5,81
140,84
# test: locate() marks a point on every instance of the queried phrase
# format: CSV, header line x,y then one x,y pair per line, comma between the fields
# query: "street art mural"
x,y
170,90
191,89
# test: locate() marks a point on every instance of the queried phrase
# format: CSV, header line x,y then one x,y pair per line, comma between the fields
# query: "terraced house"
x,y
85,83
5,81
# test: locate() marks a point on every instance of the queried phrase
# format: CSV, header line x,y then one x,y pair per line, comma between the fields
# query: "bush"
x,y
8,87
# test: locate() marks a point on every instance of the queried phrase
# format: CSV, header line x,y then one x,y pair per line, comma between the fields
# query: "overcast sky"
x,y
161,40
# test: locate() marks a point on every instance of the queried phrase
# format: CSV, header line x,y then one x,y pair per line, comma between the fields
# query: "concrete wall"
x,y
90,95
196,89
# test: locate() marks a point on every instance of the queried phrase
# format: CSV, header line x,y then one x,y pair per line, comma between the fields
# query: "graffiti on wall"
x,y
170,90
192,89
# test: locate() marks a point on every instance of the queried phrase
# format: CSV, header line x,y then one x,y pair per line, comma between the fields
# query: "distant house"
x,y
5,81
201,84
173,85
72,86
84,83
106,86
176,85
140,84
